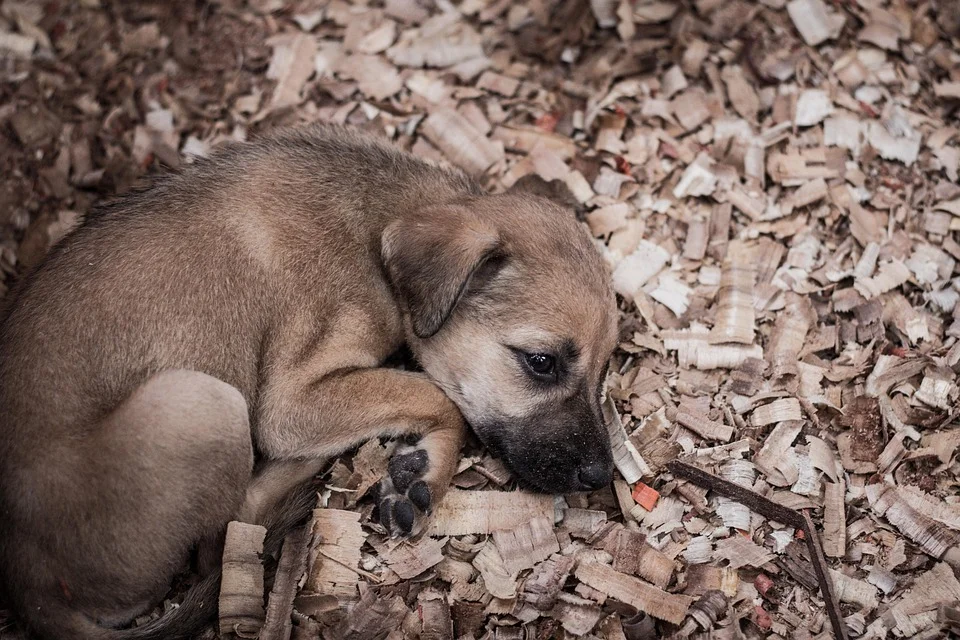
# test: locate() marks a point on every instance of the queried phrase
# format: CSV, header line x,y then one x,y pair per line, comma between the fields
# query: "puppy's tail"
x,y
186,622
199,606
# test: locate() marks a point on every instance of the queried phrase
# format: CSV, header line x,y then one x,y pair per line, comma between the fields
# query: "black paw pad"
x,y
385,512
406,468
419,495
403,516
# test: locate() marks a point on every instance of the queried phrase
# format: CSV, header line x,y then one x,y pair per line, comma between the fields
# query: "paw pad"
x,y
404,493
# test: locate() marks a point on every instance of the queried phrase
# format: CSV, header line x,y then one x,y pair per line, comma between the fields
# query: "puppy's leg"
x,y
327,416
165,469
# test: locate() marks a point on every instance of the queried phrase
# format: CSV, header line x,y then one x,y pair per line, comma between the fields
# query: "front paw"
x,y
405,497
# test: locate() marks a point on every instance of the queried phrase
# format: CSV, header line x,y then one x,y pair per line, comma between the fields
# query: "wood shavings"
x,y
543,585
735,314
498,580
854,591
935,539
293,564
889,276
694,349
645,597
335,557
635,270
811,19
786,409
460,142
741,552
463,512
701,425
697,179
373,616
292,63
813,105
241,586
933,588
834,520
525,545
815,137
625,455
633,555
441,41
410,559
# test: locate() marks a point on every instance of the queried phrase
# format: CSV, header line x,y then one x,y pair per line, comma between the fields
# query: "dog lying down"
x,y
195,351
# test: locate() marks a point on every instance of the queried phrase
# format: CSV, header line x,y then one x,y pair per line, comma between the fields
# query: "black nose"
x,y
594,476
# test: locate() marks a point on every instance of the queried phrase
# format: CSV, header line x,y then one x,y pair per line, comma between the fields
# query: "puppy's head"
x,y
511,312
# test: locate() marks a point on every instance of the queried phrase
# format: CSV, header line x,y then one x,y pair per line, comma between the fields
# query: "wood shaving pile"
x,y
775,187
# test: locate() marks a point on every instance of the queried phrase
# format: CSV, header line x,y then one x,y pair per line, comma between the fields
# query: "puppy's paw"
x,y
405,497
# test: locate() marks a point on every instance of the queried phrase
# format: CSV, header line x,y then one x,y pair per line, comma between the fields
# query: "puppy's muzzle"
x,y
553,454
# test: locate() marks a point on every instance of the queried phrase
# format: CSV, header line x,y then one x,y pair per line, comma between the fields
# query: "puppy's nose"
x,y
594,476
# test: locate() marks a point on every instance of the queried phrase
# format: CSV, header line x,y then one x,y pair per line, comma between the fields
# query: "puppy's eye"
x,y
541,364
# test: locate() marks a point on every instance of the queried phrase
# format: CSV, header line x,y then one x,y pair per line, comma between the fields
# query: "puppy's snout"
x,y
594,476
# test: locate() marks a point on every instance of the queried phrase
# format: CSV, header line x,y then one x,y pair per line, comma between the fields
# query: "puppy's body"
x,y
242,308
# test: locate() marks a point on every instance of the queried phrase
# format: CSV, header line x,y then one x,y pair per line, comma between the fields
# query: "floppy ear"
x,y
430,258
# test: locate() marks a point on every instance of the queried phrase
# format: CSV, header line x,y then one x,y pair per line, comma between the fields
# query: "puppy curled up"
x,y
195,351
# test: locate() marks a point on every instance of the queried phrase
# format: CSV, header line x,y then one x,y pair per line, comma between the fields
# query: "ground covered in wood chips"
x,y
775,187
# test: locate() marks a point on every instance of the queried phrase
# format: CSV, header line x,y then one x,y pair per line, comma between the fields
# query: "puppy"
x,y
242,310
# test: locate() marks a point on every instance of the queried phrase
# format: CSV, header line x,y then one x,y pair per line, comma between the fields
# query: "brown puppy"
x,y
243,309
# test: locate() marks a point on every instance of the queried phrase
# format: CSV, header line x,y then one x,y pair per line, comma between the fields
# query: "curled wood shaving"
x,y
334,560
701,425
543,585
934,538
694,349
735,313
241,585
785,409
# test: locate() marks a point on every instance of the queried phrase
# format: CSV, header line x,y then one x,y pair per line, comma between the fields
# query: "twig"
x,y
769,509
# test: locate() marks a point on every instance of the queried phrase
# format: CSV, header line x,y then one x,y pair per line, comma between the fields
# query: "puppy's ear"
x,y
430,258
555,190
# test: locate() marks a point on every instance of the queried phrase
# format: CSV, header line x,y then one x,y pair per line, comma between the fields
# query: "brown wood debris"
x,y
774,186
